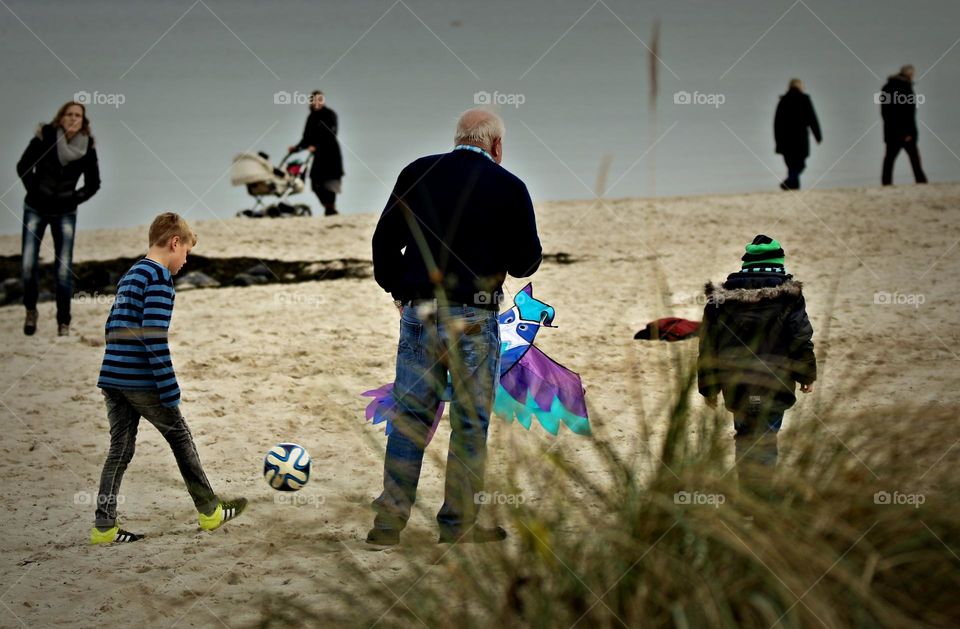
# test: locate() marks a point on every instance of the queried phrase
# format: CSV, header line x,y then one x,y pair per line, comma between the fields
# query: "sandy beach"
x,y
264,364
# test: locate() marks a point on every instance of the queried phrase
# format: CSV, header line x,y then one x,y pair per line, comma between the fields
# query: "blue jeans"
x,y
63,229
461,342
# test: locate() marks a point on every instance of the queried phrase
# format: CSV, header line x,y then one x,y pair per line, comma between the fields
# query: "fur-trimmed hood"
x,y
718,294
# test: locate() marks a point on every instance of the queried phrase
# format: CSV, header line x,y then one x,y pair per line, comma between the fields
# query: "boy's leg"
x,y
123,436
33,227
63,230
474,365
420,378
170,423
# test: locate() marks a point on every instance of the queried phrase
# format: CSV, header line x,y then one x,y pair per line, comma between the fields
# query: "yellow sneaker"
x,y
226,511
116,534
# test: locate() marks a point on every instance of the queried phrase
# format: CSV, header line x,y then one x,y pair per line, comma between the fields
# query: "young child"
x,y
138,380
755,344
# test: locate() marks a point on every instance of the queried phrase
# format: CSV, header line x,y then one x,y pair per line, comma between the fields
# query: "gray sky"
x,y
198,81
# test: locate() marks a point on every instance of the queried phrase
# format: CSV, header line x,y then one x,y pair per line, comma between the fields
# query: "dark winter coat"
x,y
51,186
795,115
321,132
458,222
755,340
898,108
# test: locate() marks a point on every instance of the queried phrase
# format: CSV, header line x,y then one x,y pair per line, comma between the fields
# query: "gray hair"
x,y
478,126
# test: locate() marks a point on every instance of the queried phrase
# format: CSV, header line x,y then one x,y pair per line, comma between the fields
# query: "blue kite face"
x,y
514,331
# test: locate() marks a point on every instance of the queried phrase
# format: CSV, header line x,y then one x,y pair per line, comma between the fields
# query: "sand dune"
x,y
265,364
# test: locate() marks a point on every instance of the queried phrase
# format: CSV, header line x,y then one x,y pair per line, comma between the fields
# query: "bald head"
x,y
483,129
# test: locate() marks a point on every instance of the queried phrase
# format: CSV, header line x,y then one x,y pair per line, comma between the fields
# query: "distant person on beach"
x,y
756,342
898,108
455,225
138,381
320,138
792,124
50,168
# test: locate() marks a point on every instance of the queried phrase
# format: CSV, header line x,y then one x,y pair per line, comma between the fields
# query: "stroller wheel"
x,y
244,214
302,209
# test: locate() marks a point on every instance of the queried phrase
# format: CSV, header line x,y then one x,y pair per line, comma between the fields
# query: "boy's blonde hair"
x,y
168,225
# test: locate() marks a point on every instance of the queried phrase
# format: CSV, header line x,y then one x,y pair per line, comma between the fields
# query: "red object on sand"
x,y
669,329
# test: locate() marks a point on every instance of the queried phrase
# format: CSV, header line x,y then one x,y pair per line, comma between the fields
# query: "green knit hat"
x,y
764,254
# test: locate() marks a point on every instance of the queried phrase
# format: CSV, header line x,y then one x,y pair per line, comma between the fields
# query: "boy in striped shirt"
x,y
137,380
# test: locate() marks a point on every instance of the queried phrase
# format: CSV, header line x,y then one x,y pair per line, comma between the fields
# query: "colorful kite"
x,y
531,383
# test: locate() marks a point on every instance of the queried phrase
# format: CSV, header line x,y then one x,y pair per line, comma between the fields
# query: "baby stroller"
x,y
262,179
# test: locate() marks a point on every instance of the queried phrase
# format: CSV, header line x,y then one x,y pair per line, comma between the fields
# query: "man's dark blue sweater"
x,y
455,225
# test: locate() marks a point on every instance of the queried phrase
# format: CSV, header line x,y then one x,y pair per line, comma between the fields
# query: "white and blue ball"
x,y
287,467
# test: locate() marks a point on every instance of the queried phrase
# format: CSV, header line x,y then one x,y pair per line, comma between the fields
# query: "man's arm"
x,y
390,237
157,310
814,122
525,252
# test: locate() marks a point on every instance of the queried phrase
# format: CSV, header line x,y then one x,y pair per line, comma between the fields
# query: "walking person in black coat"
x,y
795,115
50,169
320,137
898,107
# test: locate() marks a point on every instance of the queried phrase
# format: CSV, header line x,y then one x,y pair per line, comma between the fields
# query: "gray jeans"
x,y
124,410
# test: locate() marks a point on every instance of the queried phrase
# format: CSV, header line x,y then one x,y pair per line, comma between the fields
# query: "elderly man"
x,y
455,225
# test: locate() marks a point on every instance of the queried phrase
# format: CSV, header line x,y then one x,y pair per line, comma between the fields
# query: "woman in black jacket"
x,y
792,124
50,168
320,137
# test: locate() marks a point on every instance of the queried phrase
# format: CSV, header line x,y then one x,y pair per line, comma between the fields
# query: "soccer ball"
x,y
286,467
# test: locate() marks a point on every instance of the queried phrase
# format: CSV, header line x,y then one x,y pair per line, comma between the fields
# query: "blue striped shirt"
x,y
137,355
